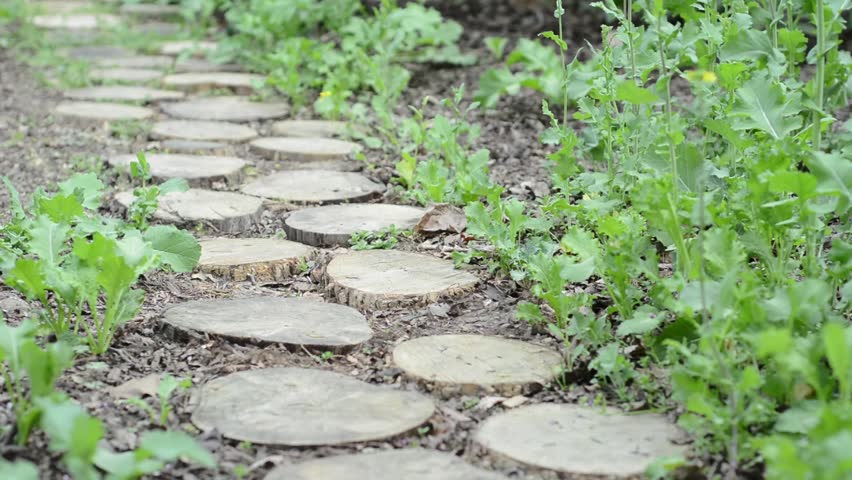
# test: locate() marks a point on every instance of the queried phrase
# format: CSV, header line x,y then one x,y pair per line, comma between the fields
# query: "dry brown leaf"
x,y
442,218
138,387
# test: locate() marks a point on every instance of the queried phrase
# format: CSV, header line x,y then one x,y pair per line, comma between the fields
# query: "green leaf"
x,y
86,187
14,199
496,45
176,248
45,366
173,185
751,44
834,176
645,320
47,239
628,91
761,105
839,353
12,341
19,470
169,446
65,209
27,278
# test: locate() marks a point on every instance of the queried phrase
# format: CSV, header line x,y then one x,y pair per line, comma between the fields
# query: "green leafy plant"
x,y
165,390
386,238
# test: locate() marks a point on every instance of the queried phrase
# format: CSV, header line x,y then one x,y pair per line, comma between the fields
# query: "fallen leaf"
x,y
485,403
442,218
515,401
138,387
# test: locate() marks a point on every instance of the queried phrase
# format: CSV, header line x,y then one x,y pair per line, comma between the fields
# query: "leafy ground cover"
x,y
670,204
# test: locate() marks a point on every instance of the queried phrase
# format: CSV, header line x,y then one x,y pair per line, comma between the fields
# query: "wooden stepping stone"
x,y
226,212
306,407
199,170
202,130
195,147
149,10
260,259
314,186
201,82
390,278
334,224
334,165
233,109
303,149
295,322
103,111
200,65
473,364
407,464
137,61
577,440
162,29
79,21
98,52
122,93
127,75
309,128
195,47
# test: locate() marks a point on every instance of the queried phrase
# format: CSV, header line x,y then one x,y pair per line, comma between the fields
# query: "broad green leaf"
x,y
628,91
69,427
173,185
169,446
65,209
176,248
45,366
47,239
839,353
88,188
761,105
18,470
581,242
27,277
496,45
751,44
575,272
834,176
12,341
802,184
645,320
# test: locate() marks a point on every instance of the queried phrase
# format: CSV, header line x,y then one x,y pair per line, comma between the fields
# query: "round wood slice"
x,y
233,109
122,93
77,21
197,147
309,128
303,149
577,440
149,10
126,75
103,111
201,82
137,61
202,130
390,278
161,29
306,407
226,212
98,52
201,65
192,46
288,321
407,464
200,171
474,364
334,165
334,224
259,259
314,186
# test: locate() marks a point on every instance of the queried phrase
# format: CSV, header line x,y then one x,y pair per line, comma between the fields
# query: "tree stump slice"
x,y
126,75
314,186
136,61
226,212
577,440
391,278
202,130
334,224
309,128
233,109
477,364
197,48
157,28
98,52
258,259
333,165
242,83
200,171
103,111
149,10
303,149
195,147
295,322
122,93
199,65
78,21
407,464
306,407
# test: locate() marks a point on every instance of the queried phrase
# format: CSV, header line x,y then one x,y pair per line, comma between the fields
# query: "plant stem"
x,y
564,66
664,72
820,75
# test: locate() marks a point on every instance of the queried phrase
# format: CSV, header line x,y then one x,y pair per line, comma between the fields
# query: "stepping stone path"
x,y
192,46
136,61
407,464
149,10
295,322
314,186
80,21
309,128
162,29
122,93
577,440
199,170
98,52
306,407
391,278
334,224
473,364
202,130
259,259
303,149
103,111
200,65
127,75
230,109
201,82
195,147
226,212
